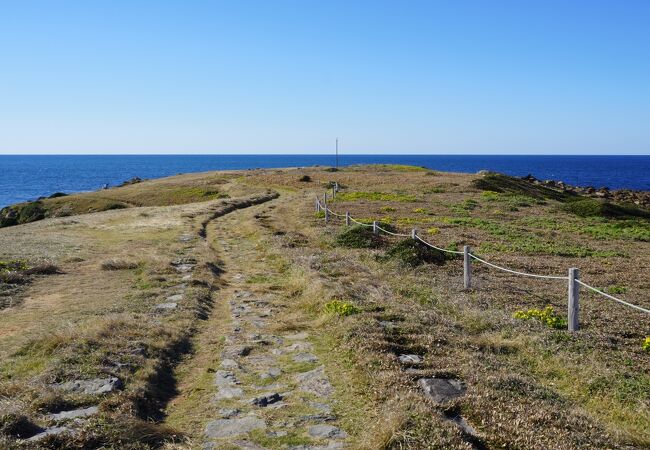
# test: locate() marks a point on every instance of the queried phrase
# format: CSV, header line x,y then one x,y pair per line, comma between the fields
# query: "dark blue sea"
x,y
29,177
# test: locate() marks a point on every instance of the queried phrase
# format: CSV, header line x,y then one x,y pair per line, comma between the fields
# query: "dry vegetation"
x,y
364,300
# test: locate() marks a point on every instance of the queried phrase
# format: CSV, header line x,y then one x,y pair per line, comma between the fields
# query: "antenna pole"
x,y
337,153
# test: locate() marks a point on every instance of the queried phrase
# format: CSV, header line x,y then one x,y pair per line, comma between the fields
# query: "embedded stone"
x,y
441,390
227,392
223,428
305,358
315,382
410,359
326,432
92,387
267,399
75,413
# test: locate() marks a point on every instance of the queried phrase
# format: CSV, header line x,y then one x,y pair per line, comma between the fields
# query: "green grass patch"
x,y
375,196
589,207
359,236
496,182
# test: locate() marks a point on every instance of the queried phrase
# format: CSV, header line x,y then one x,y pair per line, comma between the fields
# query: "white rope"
x,y
360,223
525,274
337,215
393,234
612,297
437,248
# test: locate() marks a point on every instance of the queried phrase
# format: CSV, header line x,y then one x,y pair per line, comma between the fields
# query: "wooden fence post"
x,y
574,299
317,205
347,218
467,267
333,192
327,213
414,233
374,227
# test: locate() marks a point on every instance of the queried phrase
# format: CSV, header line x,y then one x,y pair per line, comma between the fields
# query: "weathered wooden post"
x,y
347,218
333,192
467,267
327,213
574,299
317,205
414,233
374,227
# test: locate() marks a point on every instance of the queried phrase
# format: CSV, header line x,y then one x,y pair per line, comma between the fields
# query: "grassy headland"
x,y
109,259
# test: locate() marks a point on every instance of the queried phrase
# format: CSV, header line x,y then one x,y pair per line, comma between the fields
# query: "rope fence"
x,y
573,277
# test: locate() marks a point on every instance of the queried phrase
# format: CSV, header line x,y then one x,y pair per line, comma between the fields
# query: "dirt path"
x,y
266,386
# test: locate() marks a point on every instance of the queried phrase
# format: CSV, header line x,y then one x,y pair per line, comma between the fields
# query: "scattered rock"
x,y
299,347
233,427
305,358
174,298
166,306
246,445
298,336
272,372
227,413
75,413
326,432
229,364
410,359
92,387
322,407
267,399
226,392
441,390
225,378
315,382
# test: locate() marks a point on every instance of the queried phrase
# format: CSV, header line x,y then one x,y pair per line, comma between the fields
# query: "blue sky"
x,y
289,76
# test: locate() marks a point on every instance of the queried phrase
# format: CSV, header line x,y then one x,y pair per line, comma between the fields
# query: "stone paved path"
x,y
270,390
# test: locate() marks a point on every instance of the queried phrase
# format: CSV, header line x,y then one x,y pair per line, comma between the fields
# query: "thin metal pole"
x,y
337,153
467,267
574,299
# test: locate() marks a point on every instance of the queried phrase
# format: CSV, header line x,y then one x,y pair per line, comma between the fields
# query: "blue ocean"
x,y
29,177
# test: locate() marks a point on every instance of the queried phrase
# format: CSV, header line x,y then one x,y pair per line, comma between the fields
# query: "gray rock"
x,y
186,277
166,306
272,372
326,432
49,432
184,268
322,407
75,413
266,400
298,336
92,387
305,358
222,428
441,390
229,364
247,445
410,359
227,392
225,378
227,413
333,445
299,347
174,298
315,382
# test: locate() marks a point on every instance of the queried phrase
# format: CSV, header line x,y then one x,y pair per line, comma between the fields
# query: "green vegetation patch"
x,y
374,196
359,236
341,308
590,207
496,182
412,253
646,344
402,168
547,316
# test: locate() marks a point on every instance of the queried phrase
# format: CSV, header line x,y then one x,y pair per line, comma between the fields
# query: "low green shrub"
x,y
359,236
590,207
341,308
412,253
547,316
646,344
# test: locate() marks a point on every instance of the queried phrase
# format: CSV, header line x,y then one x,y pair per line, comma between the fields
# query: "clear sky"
x,y
273,76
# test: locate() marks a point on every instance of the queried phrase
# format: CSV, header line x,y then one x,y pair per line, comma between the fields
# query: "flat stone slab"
x,y
49,432
299,347
315,382
326,432
184,268
305,358
92,387
229,364
441,390
166,306
227,413
175,298
410,359
225,378
226,392
222,428
75,413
